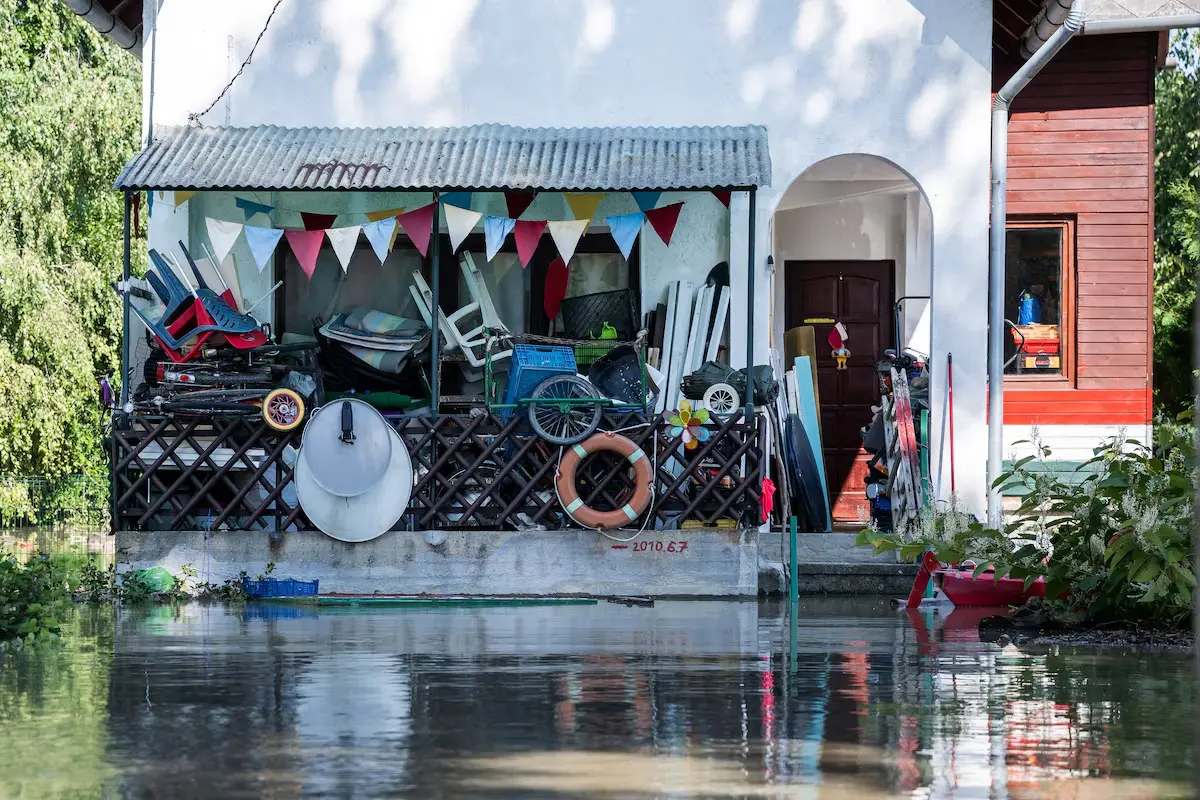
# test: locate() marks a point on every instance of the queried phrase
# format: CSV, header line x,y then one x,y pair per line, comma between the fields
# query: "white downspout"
x,y
1000,111
95,15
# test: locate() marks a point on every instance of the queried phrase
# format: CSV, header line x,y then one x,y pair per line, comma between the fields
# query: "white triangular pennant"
x,y
459,222
222,234
566,236
342,240
262,243
379,233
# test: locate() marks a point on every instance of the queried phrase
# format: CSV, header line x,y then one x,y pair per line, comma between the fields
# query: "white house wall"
x,y
907,80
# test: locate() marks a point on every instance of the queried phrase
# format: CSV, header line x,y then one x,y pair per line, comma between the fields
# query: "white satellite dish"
x,y
352,514
347,446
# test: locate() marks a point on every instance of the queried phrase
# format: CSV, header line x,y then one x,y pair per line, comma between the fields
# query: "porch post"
x,y
750,270
126,350
435,273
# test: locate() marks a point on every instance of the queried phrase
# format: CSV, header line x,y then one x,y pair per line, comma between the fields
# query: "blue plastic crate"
x,y
532,364
276,587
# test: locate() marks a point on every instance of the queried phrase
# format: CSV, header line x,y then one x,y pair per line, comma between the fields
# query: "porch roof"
x,y
476,157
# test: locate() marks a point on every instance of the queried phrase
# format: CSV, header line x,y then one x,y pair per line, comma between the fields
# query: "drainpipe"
x,y
105,22
1146,25
1072,24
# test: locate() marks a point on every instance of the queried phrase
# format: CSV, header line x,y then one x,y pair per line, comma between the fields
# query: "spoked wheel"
x,y
283,409
556,413
721,399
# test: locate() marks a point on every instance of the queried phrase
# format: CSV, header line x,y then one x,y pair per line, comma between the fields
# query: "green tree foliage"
x,y
69,119
1177,223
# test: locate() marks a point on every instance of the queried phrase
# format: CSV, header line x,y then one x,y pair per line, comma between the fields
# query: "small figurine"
x,y
837,340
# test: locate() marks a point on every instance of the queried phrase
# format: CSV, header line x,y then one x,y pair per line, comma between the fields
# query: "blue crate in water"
x,y
532,364
277,587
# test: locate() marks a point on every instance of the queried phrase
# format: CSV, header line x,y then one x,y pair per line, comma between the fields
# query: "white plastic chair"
x,y
480,294
472,342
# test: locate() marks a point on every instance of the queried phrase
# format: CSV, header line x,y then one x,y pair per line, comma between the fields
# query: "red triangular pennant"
x,y
556,287
317,222
517,202
723,197
663,220
306,245
418,225
527,233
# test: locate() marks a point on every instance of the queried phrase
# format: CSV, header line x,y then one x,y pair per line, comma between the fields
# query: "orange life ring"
x,y
587,516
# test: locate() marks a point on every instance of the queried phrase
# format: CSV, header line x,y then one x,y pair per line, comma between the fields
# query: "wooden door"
x,y
858,294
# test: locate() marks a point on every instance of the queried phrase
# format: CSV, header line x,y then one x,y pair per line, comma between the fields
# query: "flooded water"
x,y
685,699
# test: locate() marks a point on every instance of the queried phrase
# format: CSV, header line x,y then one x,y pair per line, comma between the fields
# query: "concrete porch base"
x,y
688,563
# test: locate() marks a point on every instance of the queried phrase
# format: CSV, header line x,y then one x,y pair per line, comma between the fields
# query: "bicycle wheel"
x,y
283,409
556,414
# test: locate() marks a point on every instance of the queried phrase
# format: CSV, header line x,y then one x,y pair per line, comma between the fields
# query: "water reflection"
x,y
682,699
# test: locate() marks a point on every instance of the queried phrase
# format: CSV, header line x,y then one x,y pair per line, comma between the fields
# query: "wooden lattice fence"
x,y
473,471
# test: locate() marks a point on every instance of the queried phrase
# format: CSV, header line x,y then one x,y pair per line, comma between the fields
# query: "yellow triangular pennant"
x,y
375,216
584,204
182,197
395,230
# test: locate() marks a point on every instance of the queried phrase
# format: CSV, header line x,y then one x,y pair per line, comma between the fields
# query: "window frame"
x,y
1067,302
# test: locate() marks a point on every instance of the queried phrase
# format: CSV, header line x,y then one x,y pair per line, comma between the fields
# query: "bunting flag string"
x,y
342,240
584,204
527,233
460,222
457,200
380,234
724,197
250,208
222,234
317,222
646,200
625,229
263,242
566,236
495,231
306,245
663,220
517,202
418,224
182,197
376,216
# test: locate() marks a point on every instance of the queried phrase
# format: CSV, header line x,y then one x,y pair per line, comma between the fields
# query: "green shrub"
x,y
33,597
1116,545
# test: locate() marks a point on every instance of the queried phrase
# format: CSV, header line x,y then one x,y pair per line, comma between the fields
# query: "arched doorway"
x,y
852,242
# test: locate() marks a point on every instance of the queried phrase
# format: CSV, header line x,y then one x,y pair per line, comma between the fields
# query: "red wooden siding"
x,y
1081,143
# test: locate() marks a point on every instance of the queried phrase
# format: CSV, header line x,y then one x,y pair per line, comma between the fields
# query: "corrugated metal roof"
x,y
473,157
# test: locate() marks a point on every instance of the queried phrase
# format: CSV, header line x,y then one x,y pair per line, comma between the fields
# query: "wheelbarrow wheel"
x,y
556,413
721,399
283,409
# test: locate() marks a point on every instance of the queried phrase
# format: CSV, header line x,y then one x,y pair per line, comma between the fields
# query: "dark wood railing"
x,y
473,471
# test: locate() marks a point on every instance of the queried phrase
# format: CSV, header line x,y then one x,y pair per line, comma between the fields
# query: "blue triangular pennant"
x,y
646,201
624,230
495,231
459,199
379,234
250,208
262,243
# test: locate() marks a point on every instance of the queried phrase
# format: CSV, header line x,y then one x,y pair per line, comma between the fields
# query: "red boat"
x,y
963,588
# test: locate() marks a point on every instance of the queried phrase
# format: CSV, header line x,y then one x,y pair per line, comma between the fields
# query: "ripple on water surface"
x,y
682,699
